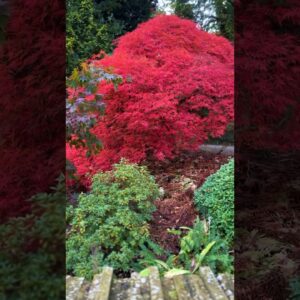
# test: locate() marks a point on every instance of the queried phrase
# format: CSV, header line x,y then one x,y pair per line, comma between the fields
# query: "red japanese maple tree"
x,y
267,75
177,91
32,114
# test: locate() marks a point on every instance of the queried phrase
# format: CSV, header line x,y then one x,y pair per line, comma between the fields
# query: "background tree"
x,y
211,15
92,25
215,15
84,35
124,14
183,9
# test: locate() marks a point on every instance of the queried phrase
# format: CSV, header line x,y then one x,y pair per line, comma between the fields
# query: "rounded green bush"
x,y
215,201
110,224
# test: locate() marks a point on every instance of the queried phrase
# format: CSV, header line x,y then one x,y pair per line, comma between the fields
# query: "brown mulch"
x,y
176,208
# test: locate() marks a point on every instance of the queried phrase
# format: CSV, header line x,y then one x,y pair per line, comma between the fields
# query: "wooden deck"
x,y
201,286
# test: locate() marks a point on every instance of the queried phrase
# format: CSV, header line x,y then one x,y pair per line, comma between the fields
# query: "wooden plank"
x,y
120,289
106,282
227,283
198,287
100,287
152,287
95,287
155,284
191,287
182,292
203,288
140,289
212,284
169,289
74,288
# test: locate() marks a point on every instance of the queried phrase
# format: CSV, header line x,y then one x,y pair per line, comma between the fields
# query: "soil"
x,y
176,207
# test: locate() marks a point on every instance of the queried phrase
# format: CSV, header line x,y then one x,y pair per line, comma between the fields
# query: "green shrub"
x,y
32,256
215,201
109,225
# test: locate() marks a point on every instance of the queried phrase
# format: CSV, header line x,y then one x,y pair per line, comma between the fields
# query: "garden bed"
x,y
178,180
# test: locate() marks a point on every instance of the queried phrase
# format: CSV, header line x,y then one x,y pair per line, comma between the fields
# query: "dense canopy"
x,y
177,92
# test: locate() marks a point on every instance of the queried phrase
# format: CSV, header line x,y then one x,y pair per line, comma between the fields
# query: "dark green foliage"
x,y
93,25
32,256
124,14
294,287
211,15
224,18
197,248
84,35
216,15
109,225
183,9
195,241
215,201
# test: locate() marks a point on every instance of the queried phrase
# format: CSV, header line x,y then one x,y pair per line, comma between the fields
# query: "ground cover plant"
x,y
197,247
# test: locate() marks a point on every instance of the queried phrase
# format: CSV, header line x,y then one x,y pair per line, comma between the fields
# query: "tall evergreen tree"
x,y
84,35
92,25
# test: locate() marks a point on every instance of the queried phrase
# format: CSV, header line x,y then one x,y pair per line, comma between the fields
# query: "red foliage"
x,y
177,90
267,74
32,114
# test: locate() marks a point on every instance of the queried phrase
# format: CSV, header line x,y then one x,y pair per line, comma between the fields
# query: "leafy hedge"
x,y
109,225
215,200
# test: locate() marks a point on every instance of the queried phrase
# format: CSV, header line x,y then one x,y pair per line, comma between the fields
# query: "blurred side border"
x,y
267,144
32,149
